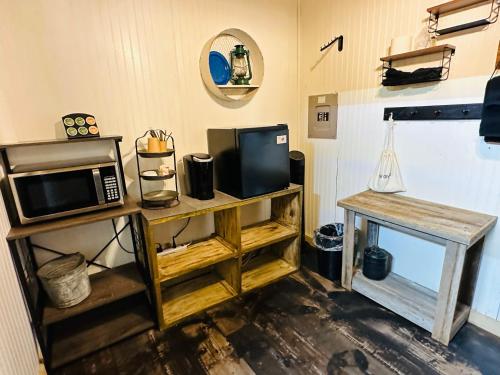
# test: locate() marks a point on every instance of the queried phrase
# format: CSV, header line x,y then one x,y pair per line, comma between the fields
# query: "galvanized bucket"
x,y
65,280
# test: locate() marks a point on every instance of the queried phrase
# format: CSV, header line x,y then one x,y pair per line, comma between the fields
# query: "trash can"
x,y
328,241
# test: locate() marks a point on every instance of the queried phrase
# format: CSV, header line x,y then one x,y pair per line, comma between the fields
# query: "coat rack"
x,y
340,46
435,112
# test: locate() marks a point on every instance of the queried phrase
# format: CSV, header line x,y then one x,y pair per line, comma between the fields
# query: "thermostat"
x,y
322,117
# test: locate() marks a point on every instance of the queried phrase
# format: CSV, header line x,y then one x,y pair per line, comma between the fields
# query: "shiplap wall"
x,y
440,161
135,65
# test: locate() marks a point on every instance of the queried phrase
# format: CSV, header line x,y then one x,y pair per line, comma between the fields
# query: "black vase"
x,y
376,263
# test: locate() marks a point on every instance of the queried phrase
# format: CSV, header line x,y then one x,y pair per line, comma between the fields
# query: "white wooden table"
x,y
460,231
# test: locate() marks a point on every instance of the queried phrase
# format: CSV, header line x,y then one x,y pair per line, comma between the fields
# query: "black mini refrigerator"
x,y
250,161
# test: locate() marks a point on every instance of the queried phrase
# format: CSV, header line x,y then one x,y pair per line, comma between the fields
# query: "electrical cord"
x,y
179,232
61,253
117,235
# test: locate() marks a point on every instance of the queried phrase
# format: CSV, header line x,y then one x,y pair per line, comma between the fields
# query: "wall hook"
x,y
340,40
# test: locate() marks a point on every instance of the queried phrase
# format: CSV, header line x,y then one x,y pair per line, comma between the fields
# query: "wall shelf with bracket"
x,y
436,11
446,51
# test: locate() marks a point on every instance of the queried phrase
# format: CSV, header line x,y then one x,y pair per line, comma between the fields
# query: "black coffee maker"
x,y
199,170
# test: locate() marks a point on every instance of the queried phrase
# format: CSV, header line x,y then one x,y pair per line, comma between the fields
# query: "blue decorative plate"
x,y
219,68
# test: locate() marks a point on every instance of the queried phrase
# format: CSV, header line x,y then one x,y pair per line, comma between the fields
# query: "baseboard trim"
x,y
485,322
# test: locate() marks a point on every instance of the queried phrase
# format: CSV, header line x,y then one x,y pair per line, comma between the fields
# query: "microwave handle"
x,y
98,185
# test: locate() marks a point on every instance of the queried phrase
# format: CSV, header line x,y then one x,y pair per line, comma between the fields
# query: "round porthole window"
x,y
232,66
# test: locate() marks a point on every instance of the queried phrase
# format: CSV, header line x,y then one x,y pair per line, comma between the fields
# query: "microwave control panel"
x,y
110,184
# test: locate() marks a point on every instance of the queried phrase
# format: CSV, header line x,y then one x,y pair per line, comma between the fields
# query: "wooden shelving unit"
x,y
193,296
264,234
209,272
264,270
196,256
107,287
84,334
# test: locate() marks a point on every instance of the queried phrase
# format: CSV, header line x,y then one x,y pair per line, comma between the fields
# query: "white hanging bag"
x,y
387,177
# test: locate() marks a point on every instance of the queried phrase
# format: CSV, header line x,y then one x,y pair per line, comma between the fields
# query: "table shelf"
x,y
264,270
99,328
192,296
107,287
264,234
196,256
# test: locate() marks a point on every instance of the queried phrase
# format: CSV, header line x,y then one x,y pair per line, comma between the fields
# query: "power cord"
x,y
117,235
179,232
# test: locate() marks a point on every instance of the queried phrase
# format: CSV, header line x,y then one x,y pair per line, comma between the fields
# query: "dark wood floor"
x,y
301,325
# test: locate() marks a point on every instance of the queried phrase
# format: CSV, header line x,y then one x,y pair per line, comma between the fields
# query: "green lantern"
x,y
241,71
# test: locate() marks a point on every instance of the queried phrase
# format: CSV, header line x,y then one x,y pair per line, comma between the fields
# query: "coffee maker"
x,y
199,171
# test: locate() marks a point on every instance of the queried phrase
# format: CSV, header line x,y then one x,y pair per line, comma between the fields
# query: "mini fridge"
x,y
250,161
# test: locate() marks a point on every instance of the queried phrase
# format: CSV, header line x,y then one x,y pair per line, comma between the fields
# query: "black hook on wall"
x,y
340,40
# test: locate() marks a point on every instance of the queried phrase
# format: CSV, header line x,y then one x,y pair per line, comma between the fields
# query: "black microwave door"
x,y
265,165
47,194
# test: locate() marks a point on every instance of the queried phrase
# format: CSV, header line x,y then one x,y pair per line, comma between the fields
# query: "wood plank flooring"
x,y
303,324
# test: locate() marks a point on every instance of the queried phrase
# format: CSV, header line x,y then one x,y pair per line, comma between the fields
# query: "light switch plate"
x,y
322,117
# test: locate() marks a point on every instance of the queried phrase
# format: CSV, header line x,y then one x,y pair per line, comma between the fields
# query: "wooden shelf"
x,y
107,287
196,256
419,52
62,140
193,296
264,270
97,329
258,236
406,298
130,207
450,6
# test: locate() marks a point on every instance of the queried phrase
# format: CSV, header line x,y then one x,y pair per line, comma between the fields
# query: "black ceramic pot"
x,y
376,263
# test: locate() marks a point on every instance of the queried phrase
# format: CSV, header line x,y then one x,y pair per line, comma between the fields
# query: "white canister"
x,y
401,44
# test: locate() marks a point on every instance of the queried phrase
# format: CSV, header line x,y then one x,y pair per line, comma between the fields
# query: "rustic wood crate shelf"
x,y
87,333
222,253
193,296
196,256
107,287
264,234
264,270
460,231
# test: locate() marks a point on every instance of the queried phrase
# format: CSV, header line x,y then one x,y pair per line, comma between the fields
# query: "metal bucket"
x,y
65,280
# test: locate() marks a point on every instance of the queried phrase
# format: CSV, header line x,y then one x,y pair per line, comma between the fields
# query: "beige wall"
x,y
368,27
134,64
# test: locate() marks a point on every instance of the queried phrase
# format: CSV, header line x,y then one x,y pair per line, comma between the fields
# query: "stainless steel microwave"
x,y
52,193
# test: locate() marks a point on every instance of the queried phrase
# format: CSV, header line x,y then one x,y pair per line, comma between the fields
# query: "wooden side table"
x,y
460,231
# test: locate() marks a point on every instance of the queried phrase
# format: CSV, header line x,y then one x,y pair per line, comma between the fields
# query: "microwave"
x,y
53,193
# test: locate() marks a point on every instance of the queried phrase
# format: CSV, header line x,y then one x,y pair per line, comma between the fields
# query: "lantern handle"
x,y
249,66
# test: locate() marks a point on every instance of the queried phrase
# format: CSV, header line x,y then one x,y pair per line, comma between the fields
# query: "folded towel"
x,y
394,77
490,118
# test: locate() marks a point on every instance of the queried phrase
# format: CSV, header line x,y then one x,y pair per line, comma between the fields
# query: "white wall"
x,y
443,161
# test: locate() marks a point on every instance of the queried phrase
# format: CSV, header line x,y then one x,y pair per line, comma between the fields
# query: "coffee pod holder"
x,y
164,147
